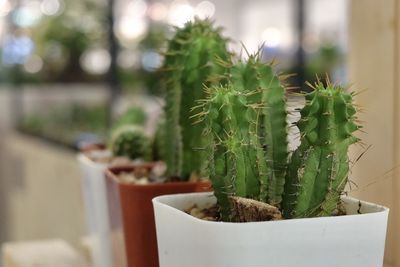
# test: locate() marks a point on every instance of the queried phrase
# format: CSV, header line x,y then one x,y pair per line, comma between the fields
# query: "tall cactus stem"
x,y
190,63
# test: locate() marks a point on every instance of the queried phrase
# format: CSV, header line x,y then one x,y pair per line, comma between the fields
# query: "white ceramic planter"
x,y
96,211
351,240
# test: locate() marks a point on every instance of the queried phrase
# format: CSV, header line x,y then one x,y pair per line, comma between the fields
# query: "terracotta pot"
x,y
131,210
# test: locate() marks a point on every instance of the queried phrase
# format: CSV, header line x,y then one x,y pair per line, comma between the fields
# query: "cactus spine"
x,y
319,167
132,142
190,62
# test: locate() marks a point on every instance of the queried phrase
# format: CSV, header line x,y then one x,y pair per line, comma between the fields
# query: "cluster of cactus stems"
x,y
240,131
247,129
190,63
246,126
131,141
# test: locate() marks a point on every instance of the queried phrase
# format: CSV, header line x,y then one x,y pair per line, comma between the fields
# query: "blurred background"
x,y
69,66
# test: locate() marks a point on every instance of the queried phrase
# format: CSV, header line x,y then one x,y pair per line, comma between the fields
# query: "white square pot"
x,y
354,240
96,210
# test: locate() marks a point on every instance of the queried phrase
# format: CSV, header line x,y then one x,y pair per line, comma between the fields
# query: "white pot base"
x,y
351,240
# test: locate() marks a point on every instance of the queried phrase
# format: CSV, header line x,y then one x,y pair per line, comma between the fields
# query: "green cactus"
x,y
159,141
190,63
132,142
231,163
318,169
248,154
242,119
267,110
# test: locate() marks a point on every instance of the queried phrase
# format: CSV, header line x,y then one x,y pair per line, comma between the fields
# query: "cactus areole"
x,y
246,126
190,64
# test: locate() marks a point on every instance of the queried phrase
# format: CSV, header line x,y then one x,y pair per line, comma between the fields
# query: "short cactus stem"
x,y
266,111
319,167
232,168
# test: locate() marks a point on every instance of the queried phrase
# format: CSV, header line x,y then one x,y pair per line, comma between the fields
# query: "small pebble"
x,y
159,169
119,161
196,212
207,213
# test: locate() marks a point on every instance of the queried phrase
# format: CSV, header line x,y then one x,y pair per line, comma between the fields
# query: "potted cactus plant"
x,y
191,60
93,161
274,208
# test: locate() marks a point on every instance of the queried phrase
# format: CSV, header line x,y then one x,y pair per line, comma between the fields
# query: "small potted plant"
x,y
93,161
191,60
271,207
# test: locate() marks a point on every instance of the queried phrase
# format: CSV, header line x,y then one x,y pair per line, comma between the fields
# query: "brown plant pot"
x,y
132,216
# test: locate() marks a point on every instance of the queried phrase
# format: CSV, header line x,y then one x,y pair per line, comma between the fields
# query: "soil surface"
x,y
244,210
210,213
247,210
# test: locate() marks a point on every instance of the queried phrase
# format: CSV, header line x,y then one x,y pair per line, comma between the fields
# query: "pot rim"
x,y
111,174
84,158
159,201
